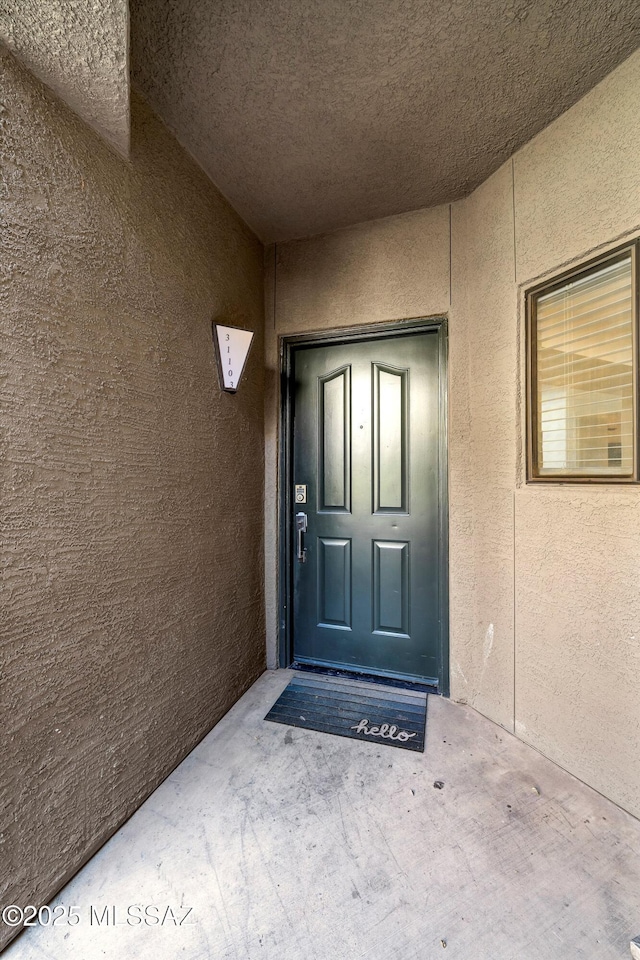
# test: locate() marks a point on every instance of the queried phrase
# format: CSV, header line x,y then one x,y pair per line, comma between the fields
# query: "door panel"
x,y
334,583
334,444
390,440
366,444
391,588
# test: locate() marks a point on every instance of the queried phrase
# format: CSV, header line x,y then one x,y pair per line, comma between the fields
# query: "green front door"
x,y
367,570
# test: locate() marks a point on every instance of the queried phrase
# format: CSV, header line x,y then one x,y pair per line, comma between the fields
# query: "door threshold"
x,y
401,684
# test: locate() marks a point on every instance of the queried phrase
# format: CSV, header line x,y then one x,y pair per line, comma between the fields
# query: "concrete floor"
x,y
290,844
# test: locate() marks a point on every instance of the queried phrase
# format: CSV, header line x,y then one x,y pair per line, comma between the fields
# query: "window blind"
x,y
584,365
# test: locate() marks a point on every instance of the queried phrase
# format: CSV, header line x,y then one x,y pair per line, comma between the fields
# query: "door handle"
x,y
301,529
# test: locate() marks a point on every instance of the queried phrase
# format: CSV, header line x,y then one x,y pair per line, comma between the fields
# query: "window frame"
x,y
532,294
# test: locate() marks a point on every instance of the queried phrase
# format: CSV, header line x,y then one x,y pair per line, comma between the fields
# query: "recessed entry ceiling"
x,y
310,116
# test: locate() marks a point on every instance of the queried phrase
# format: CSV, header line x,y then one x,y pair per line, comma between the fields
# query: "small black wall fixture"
x,y
232,346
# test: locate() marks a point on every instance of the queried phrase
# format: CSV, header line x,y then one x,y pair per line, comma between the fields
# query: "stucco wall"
x,y
482,448
577,192
545,611
80,49
132,598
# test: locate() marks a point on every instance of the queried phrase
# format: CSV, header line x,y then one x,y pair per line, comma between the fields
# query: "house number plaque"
x,y
232,349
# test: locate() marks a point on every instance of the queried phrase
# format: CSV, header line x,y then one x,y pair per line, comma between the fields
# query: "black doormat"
x,y
353,708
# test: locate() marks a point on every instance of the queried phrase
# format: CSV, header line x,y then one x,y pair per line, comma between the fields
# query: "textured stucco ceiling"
x,y
314,115
79,48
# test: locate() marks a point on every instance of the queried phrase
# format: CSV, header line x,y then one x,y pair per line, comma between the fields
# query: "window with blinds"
x,y
582,374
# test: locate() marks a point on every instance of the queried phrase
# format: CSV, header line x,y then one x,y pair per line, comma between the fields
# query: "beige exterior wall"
x,y
482,449
80,51
545,610
577,193
132,496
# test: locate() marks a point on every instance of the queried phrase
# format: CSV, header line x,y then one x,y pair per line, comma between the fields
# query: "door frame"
x,y
336,336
